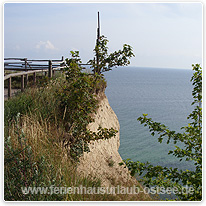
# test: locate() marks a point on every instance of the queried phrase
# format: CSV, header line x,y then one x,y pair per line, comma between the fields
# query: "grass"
x,y
39,100
35,152
40,79
47,154
54,167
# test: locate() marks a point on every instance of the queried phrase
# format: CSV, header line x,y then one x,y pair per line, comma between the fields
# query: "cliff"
x,y
103,159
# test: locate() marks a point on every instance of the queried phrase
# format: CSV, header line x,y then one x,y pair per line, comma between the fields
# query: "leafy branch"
x,y
192,150
107,61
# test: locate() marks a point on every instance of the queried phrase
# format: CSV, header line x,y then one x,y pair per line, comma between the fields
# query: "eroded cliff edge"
x,y
103,159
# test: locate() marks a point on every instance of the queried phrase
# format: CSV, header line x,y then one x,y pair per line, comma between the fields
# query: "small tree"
x,y
191,138
107,61
78,101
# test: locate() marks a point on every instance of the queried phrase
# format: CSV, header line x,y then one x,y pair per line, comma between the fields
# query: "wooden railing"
x,y
27,67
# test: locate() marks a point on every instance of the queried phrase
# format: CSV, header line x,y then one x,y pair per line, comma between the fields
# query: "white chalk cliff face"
x,y
103,159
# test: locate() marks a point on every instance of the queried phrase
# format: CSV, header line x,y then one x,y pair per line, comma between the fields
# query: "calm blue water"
x,y
164,94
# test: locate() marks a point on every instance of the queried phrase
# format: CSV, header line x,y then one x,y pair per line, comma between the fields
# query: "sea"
x,y
165,95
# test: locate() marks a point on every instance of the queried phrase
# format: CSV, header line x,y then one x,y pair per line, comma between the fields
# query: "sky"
x,y
162,35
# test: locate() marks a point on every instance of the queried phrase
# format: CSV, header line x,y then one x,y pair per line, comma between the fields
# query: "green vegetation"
x,y
191,138
107,61
110,162
16,81
78,100
35,157
46,134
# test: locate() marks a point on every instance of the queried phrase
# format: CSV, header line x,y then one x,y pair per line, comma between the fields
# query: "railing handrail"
x,y
28,72
25,67
14,58
22,59
22,73
24,64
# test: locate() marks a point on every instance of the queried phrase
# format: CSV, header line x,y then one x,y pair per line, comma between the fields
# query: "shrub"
x,y
34,156
23,169
78,101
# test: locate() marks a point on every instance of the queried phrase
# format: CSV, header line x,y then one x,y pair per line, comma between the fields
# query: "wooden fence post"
x,y
26,75
9,87
62,64
22,83
34,78
50,69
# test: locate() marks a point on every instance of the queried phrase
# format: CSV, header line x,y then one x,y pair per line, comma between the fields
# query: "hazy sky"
x,y
167,35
